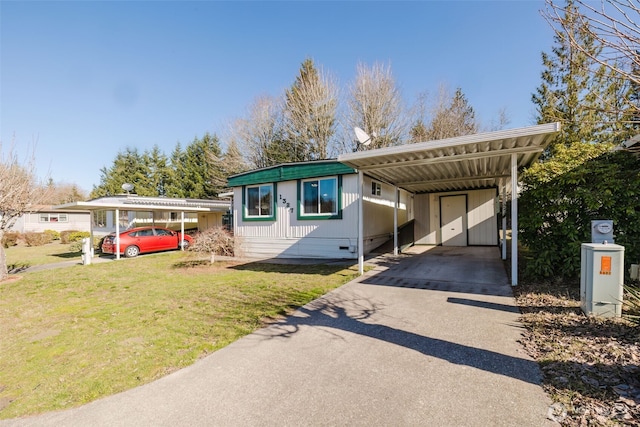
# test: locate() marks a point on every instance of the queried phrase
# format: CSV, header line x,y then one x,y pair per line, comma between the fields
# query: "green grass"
x,y
75,334
22,256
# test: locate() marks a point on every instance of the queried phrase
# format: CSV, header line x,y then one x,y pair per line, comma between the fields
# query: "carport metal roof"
x,y
466,162
482,160
132,202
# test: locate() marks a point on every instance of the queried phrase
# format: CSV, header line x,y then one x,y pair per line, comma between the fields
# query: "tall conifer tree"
x,y
575,90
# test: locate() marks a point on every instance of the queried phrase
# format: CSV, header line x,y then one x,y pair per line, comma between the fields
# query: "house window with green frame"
x,y
259,202
319,198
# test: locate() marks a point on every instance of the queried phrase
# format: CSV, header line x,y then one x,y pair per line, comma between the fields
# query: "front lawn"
x,y
22,256
75,334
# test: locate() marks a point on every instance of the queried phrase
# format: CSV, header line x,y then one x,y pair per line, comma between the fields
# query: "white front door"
x,y
453,220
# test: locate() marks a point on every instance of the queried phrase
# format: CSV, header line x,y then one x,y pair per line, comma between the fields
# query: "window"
x,y
100,218
320,196
50,217
259,202
376,188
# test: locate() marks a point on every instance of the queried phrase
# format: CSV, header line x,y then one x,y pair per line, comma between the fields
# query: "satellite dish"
x,y
363,137
127,187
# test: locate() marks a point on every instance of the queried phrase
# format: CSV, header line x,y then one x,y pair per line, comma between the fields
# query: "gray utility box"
x,y
602,231
601,279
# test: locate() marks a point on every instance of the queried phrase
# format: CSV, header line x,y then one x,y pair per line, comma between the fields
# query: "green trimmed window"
x,y
319,198
259,201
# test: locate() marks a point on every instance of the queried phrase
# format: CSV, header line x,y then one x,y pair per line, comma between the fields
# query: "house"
x,y
48,218
310,210
445,192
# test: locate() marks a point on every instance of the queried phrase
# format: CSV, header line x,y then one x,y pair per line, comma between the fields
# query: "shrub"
x,y
64,236
10,238
69,236
215,240
55,235
631,303
561,197
37,239
77,236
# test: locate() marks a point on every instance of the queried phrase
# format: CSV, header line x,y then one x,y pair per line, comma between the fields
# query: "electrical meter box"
x,y
602,231
601,279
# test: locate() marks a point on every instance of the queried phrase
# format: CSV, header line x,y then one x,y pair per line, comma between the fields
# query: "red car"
x,y
145,239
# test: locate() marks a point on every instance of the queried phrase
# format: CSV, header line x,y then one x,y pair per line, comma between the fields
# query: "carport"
x,y
485,160
131,202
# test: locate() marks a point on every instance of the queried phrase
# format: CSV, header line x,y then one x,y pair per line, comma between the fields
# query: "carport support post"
x,y
117,233
395,222
504,220
91,231
181,230
360,225
514,219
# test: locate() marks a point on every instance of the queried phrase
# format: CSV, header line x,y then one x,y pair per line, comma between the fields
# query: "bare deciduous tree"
x,y
311,106
57,193
19,194
613,24
258,132
375,104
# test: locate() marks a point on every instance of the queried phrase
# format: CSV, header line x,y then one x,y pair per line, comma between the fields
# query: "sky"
x,y
81,81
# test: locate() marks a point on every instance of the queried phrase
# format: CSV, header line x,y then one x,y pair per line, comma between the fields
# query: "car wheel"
x,y
131,251
185,245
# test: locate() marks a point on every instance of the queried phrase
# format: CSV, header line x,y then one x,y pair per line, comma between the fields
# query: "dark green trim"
x,y
307,217
274,203
290,172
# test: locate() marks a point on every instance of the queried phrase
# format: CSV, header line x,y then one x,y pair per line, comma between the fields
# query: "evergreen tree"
x,y
196,169
159,170
418,132
175,176
576,91
129,166
451,117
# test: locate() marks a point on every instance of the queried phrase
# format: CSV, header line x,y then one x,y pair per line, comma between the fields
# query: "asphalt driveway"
x,y
425,339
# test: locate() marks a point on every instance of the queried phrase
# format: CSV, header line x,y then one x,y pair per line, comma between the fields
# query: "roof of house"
x,y
473,161
632,145
290,171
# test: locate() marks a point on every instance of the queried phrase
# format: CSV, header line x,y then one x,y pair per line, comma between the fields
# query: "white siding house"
x,y
443,192
310,210
47,218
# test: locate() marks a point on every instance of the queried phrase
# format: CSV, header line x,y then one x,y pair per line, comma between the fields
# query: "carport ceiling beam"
x,y
450,180
452,158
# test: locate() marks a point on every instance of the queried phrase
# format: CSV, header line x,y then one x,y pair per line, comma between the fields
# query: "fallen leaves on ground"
x,y
590,365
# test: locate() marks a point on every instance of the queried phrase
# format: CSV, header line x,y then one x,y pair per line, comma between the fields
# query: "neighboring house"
x,y
445,192
48,218
310,209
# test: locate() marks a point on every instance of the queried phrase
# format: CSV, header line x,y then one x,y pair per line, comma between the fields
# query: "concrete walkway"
x,y
422,340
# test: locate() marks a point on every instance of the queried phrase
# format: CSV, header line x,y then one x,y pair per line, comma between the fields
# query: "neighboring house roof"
x,y
133,202
290,171
632,145
466,162
51,208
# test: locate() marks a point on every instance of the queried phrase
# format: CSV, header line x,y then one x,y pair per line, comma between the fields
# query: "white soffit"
x,y
466,162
